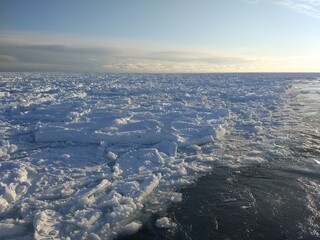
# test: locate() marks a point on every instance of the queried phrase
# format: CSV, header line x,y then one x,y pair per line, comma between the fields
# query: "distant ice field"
x,y
94,156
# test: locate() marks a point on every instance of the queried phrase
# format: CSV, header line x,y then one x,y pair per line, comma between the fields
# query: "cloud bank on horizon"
x,y
76,56
166,36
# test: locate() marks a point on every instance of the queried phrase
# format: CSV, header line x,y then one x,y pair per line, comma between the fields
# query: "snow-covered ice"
x,y
90,156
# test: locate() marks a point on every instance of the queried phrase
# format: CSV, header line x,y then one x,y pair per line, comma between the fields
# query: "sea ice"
x,y
91,156
130,229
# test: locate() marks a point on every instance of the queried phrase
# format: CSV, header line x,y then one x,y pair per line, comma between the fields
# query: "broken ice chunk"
x,y
167,147
138,161
165,223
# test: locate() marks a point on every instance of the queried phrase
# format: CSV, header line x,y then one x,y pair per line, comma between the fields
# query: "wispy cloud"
x,y
199,57
7,58
307,7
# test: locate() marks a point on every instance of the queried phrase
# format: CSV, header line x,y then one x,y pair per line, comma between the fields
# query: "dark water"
x,y
257,203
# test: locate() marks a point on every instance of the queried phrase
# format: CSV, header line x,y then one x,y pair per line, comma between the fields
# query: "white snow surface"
x,y
88,156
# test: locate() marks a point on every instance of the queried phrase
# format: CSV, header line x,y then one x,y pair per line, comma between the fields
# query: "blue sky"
x,y
160,36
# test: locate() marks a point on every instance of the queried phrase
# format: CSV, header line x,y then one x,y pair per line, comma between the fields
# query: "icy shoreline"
x,y
90,156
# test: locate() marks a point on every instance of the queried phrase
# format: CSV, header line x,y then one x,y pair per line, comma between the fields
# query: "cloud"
x,y
197,57
7,58
172,61
310,8
58,48
30,54
48,56
52,55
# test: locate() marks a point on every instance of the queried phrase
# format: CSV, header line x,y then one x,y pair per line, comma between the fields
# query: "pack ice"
x,y
92,156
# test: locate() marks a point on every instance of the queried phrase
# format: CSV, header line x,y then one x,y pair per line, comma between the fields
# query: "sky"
x,y
160,36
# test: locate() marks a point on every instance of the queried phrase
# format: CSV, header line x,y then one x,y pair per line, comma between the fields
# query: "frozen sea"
x,y
159,156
